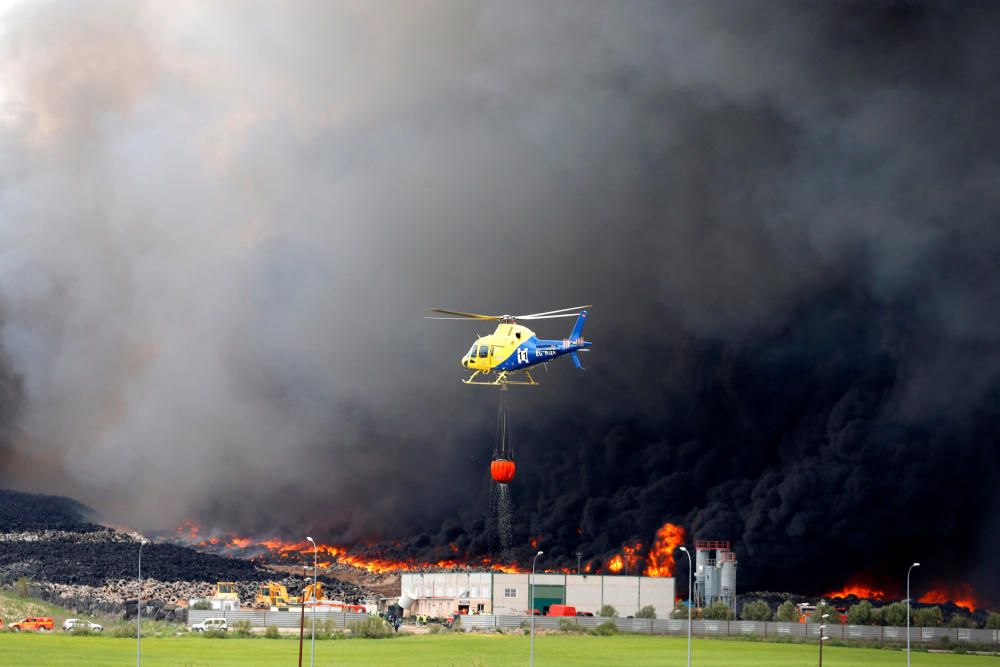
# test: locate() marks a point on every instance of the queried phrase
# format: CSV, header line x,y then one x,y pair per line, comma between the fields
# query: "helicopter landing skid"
x,y
502,379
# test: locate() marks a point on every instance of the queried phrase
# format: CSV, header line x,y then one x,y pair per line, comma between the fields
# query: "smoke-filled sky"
x,y
221,225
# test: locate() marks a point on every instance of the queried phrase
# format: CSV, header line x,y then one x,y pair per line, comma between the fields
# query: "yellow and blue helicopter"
x,y
512,349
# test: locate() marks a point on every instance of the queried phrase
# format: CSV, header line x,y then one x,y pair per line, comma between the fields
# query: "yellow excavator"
x,y
313,592
273,594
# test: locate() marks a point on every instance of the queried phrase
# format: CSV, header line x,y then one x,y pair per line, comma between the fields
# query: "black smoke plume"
x,y
221,225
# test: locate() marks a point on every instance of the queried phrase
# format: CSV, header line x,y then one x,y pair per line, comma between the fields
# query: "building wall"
x,y
588,593
503,586
585,592
659,592
441,593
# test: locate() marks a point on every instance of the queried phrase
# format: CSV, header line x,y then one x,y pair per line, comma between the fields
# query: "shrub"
x,y
993,621
895,614
928,617
202,605
787,612
436,629
605,629
718,611
860,613
608,611
681,613
569,625
122,630
214,634
271,632
756,610
21,587
958,620
372,627
649,611
323,629
82,629
243,628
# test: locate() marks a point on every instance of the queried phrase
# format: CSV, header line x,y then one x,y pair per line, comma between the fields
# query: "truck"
x,y
561,610
33,623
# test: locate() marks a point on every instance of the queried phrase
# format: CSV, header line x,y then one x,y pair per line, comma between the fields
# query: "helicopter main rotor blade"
x,y
461,315
550,312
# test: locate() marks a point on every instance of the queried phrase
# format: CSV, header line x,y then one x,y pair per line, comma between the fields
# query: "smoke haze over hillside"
x,y
220,226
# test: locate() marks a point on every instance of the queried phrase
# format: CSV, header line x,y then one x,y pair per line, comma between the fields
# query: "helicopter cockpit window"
x,y
483,349
472,352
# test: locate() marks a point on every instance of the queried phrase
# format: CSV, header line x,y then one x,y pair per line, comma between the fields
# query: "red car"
x,y
30,623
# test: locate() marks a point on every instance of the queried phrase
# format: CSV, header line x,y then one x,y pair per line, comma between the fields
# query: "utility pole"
x,y
822,637
138,611
312,650
578,555
908,612
532,610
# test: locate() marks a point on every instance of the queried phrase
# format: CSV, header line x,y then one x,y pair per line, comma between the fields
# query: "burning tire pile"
x,y
89,568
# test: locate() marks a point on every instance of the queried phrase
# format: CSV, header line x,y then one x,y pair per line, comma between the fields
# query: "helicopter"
x,y
505,356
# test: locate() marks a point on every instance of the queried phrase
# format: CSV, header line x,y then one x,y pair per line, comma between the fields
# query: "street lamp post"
x,y
908,612
302,611
138,611
822,637
690,578
312,649
532,610
578,556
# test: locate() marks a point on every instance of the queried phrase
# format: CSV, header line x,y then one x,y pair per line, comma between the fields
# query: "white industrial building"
x,y
444,593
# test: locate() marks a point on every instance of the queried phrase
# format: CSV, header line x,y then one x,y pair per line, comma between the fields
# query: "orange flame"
x,y
860,587
961,594
282,551
616,564
857,590
660,561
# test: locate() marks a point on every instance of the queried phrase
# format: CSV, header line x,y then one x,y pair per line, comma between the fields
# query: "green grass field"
x,y
448,650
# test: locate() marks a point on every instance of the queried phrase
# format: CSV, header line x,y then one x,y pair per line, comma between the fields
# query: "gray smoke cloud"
x,y
221,224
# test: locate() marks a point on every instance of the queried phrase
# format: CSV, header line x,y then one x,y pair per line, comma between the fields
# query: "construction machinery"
x,y
225,596
273,594
313,592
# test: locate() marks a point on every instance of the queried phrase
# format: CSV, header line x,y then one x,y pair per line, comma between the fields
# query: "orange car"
x,y
43,623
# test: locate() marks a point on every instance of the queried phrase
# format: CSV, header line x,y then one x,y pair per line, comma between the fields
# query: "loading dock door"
x,y
546,596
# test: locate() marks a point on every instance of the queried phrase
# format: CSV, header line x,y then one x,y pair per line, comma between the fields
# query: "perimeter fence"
x,y
261,618
769,630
